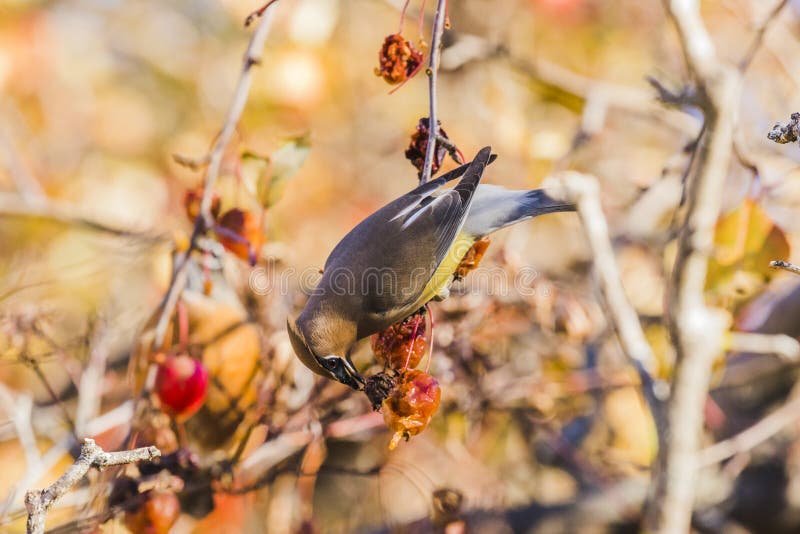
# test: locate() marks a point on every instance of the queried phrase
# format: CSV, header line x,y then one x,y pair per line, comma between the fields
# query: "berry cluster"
x,y
408,397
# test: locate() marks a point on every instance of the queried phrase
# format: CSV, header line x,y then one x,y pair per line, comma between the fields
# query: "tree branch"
x,y
753,436
785,266
13,205
583,191
696,330
38,502
760,32
786,347
252,56
433,68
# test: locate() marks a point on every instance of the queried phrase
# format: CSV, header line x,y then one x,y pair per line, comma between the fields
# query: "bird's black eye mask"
x,y
343,371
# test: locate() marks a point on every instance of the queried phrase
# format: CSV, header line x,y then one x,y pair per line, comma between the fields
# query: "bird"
x,y
401,257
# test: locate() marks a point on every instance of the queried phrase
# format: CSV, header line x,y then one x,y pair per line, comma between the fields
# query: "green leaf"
x,y
284,164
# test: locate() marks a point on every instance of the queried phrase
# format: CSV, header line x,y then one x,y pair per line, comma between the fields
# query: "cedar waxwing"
x,y
401,257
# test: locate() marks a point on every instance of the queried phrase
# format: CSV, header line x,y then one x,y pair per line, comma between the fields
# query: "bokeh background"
x,y
542,425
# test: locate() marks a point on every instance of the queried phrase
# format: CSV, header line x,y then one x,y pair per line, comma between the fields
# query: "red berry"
x,y
240,233
156,515
181,385
402,345
410,406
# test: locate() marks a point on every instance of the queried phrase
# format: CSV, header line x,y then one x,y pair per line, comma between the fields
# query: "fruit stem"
x,y
183,326
430,345
403,16
413,342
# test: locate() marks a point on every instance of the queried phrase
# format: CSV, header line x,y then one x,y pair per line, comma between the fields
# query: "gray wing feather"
x,y
391,255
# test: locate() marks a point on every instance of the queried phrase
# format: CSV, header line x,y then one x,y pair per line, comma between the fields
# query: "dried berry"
x,y
472,258
410,406
156,514
398,60
240,233
402,345
181,385
192,200
378,386
415,153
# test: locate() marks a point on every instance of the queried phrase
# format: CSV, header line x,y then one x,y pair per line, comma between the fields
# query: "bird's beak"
x,y
343,371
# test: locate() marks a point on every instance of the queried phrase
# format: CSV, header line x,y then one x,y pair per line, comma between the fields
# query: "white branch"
x,y
38,502
582,189
696,330
433,69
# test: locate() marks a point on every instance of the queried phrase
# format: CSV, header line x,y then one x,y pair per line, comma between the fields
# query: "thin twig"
x,y
38,502
697,332
786,347
760,32
433,68
27,186
257,13
20,411
785,265
13,205
90,390
194,164
753,436
252,56
584,192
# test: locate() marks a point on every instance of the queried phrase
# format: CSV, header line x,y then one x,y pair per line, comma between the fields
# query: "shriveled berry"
x,y
415,153
472,258
181,385
410,406
398,59
378,386
402,345
192,200
240,233
156,514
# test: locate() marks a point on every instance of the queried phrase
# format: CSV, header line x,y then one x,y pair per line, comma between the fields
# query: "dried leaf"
x,y
746,240
285,162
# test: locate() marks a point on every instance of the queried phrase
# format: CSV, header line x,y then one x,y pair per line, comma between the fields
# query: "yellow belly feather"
x,y
444,273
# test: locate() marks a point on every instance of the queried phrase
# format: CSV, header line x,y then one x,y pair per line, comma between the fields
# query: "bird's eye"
x,y
341,370
331,363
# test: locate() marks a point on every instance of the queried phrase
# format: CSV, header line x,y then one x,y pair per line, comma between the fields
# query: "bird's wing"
x,y
391,255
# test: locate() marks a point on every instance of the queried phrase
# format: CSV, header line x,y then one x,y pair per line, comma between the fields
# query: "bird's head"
x,y
337,367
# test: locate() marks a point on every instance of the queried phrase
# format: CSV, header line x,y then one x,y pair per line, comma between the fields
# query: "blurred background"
x,y
542,425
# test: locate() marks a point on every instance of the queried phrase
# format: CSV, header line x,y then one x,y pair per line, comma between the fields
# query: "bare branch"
x,y
786,347
38,502
252,56
583,191
696,330
553,77
20,411
433,68
785,265
751,437
13,205
27,186
760,32
90,390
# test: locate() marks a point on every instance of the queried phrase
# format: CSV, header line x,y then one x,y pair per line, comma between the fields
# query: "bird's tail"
x,y
495,207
